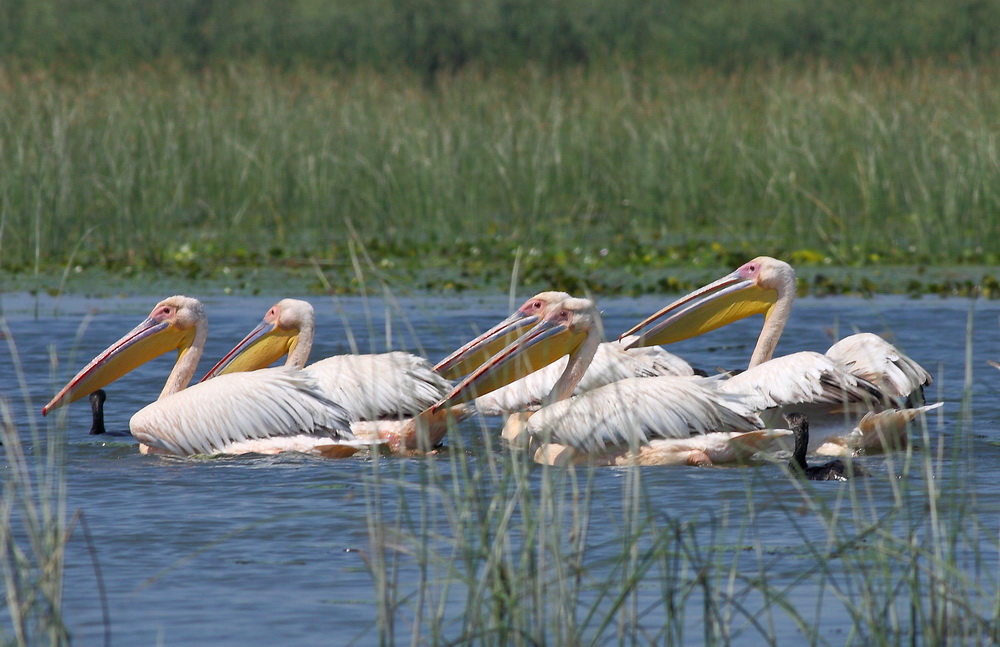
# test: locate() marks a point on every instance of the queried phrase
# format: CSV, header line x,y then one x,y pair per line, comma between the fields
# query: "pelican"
x,y
380,392
642,420
861,373
264,412
370,387
610,363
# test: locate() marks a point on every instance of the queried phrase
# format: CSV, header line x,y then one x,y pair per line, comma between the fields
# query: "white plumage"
x,y
381,393
872,358
270,407
799,378
611,363
636,411
385,385
274,407
860,374
621,420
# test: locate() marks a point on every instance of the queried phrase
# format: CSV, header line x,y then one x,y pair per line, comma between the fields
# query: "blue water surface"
x,y
255,550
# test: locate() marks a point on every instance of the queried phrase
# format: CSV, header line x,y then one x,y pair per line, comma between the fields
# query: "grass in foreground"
x,y
490,552
33,527
481,547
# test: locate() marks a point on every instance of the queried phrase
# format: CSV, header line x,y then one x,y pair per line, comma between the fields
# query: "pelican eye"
x,y
531,306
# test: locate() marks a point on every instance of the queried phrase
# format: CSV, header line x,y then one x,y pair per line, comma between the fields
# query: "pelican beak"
x,y
709,307
148,340
262,347
536,349
483,347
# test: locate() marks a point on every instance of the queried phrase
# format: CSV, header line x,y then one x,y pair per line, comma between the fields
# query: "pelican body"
x,y
270,411
860,374
610,363
624,421
382,393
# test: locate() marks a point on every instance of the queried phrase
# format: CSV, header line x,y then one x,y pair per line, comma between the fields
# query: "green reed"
x,y
33,525
243,166
480,545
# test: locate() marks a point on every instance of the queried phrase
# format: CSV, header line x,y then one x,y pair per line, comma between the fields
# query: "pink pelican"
x,y
862,373
610,363
650,420
264,412
382,393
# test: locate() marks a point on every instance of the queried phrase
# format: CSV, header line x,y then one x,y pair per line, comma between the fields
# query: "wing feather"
x,y
384,386
207,417
874,359
656,360
635,411
800,378
611,363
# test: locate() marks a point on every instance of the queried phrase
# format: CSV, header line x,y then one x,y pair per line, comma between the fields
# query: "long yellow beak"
x,y
721,302
536,349
485,346
148,340
262,347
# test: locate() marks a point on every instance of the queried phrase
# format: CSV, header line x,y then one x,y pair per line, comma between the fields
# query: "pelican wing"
x,y
656,360
375,387
611,363
870,357
719,447
799,378
207,417
635,411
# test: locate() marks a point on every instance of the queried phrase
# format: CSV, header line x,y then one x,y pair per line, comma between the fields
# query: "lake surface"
x,y
271,550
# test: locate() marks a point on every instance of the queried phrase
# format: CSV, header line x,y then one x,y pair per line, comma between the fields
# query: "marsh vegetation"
x,y
450,142
602,147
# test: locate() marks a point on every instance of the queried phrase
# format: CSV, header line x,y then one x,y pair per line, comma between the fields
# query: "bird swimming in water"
x,y
97,399
835,470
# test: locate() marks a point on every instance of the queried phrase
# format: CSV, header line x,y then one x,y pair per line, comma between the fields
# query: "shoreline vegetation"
x,y
614,182
602,147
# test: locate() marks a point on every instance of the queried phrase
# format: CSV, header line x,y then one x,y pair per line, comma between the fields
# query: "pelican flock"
x,y
263,412
862,376
566,393
662,419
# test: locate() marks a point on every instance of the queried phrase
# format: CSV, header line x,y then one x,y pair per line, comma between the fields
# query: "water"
x,y
254,550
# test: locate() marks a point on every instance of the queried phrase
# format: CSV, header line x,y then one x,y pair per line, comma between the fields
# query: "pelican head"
x,y
483,347
172,325
753,288
288,326
561,329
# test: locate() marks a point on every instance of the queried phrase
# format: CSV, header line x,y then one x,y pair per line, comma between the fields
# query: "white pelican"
x,y
860,373
610,363
267,412
381,392
664,419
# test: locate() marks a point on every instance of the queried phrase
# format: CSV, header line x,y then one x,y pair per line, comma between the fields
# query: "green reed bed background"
x,y
582,173
602,145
